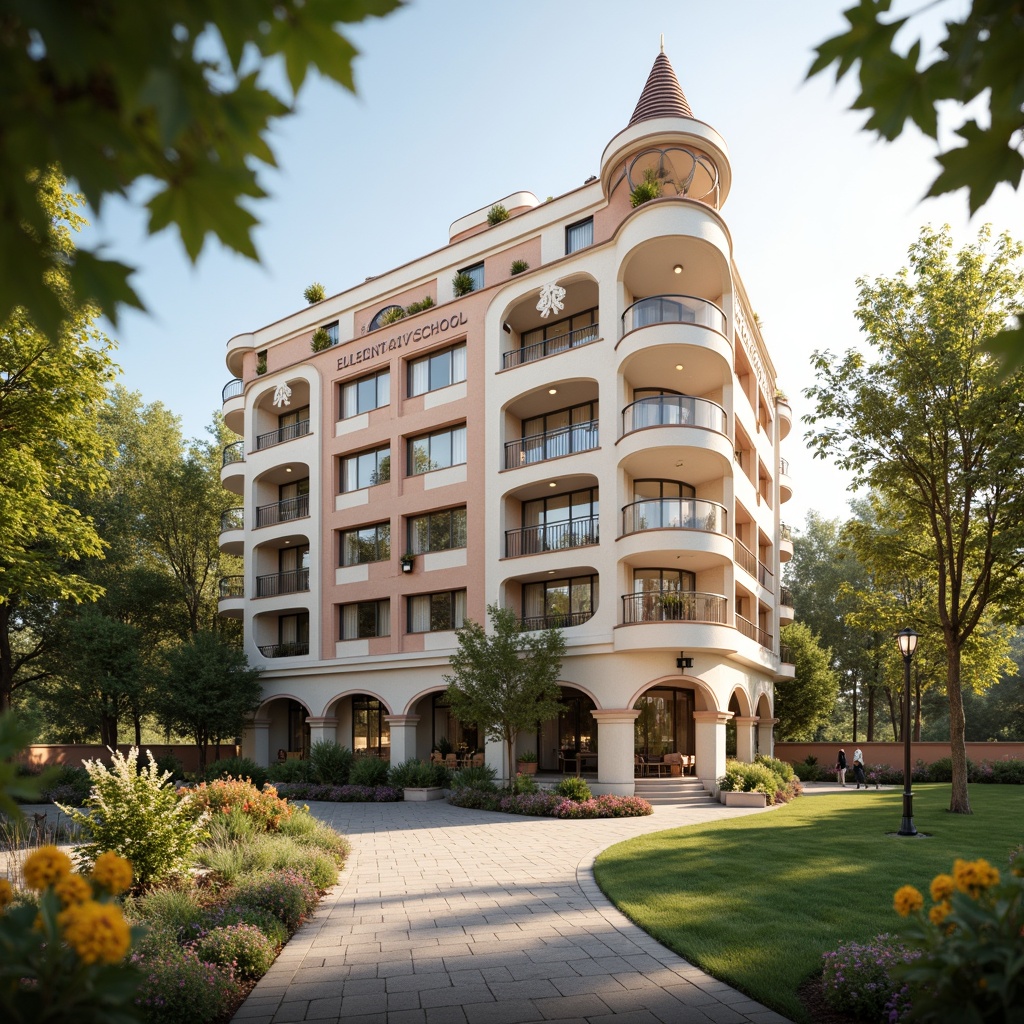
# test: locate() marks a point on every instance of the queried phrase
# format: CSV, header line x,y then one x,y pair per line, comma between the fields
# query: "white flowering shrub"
x,y
135,812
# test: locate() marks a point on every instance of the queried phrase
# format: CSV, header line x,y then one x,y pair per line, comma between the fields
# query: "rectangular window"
x,y
332,331
367,469
437,370
476,274
367,393
438,450
579,235
559,603
430,613
366,544
365,619
438,531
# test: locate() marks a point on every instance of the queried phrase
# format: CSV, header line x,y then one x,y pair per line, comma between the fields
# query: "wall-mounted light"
x,y
679,366
683,662
506,327
552,484
552,391
677,269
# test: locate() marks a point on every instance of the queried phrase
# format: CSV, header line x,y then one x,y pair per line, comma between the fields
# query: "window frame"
x,y
377,542
476,272
376,605
569,228
449,431
452,595
355,456
412,544
428,360
354,383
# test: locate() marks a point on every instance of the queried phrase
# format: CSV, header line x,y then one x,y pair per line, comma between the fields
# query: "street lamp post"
x,y
907,639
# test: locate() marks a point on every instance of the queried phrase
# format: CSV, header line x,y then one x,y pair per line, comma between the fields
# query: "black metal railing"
x,y
232,389
765,577
674,513
785,654
531,540
232,519
232,586
283,511
748,629
282,583
550,346
673,309
282,434
786,596
551,444
558,620
289,650
673,606
672,411
745,558
234,452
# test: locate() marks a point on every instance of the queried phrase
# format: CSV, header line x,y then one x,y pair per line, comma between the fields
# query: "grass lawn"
x,y
755,901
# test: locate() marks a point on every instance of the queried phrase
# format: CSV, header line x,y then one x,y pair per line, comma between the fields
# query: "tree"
x,y
979,58
934,428
506,682
805,702
51,390
182,96
207,690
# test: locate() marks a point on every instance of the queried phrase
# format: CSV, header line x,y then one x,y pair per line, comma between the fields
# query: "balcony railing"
x,y
784,467
672,411
745,558
786,532
786,596
232,586
558,620
551,444
765,577
673,606
234,452
283,511
232,389
282,434
673,309
282,583
532,540
674,514
786,654
748,629
289,650
550,346
232,519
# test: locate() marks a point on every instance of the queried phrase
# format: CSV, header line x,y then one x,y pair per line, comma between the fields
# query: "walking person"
x,y
841,767
858,768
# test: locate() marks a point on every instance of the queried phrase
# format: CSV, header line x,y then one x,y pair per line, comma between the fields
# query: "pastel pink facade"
x,y
582,424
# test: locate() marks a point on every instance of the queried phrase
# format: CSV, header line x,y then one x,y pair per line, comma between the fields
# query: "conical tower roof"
x,y
662,95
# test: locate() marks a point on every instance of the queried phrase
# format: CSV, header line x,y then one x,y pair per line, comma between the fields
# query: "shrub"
x,y
417,307
329,763
540,804
173,911
320,340
524,784
308,832
169,763
857,978
392,315
481,778
314,293
1007,770
241,947
261,366
518,267
263,807
368,771
741,777
289,771
462,284
783,769
69,784
472,796
271,926
288,895
224,858
133,812
339,794
496,214
606,806
238,768
178,986
648,189
417,774
574,789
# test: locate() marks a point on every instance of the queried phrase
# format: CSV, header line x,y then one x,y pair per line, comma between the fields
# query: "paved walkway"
x,y
445,915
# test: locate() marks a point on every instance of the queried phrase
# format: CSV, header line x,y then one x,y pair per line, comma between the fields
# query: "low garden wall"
x,y
892,753
40,755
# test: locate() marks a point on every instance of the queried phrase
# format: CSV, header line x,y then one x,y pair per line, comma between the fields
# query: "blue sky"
x,y
462,102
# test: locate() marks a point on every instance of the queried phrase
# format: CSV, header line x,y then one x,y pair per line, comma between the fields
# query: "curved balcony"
x,y
673,411
551,346
532,540
673,309
232,586
560,620
231,596
785,481
282,434
786,670
785,542
232,389
785,416
786,610
232,473
674,514
232,526
234,452
674,606
551,444
754,632
283,511
294,649
233,404
275,583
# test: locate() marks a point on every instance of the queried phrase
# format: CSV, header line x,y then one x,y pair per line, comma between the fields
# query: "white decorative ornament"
x,y
551,296
282,395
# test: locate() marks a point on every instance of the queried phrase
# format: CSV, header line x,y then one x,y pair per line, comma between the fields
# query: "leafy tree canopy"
x,y
175,94
805,702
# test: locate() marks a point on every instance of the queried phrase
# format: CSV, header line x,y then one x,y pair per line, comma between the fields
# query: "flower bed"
x,y
551,805
338,794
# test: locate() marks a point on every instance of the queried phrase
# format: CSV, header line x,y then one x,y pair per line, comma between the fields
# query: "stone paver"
x,y
445,915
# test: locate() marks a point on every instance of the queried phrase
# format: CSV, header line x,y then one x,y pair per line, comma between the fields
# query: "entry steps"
x,y
677,791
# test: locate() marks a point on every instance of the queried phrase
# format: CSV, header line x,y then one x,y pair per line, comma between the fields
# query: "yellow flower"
x,y
907,900
112,872
97,932
73,889
938,913
942,887
45,866
6,893
974,876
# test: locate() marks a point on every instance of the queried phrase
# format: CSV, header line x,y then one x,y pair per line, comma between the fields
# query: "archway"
x,y
665,724
278,728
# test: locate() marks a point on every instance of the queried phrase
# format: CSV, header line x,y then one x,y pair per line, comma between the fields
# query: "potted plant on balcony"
x,y
526,763
671,604
407,560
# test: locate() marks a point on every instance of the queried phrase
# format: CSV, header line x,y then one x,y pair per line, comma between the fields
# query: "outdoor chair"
x,y
451,761
478,761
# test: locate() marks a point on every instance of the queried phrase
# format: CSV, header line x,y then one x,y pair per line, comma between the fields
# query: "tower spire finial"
x,y
662,42
662,96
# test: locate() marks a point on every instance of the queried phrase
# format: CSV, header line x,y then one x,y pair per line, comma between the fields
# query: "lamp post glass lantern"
x,y
907,640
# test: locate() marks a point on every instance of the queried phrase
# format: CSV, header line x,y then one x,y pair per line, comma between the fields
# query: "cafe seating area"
x,y
664,766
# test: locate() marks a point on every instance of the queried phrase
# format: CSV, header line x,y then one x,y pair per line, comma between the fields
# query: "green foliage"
x,y
646,190
320,340
518,267
415,773
172,765
805,701
857,979
741,777
237,768
296,770
314,293
574,789
483,778
523,785
133,812
463,284
783,769
265,809
68,784
392,316
177,986
505,682
496,214
329,763
241,947
527,757
193,119
368,771
261,366
418,307
172,910
286,894
14,736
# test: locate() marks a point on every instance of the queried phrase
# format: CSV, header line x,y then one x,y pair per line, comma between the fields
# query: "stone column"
x,y
710,738
766,736
321,729
615,751
745,725
256,742
403,737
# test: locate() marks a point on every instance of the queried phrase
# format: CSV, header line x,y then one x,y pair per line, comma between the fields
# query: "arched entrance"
x,y
278,731
665,724
560,740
